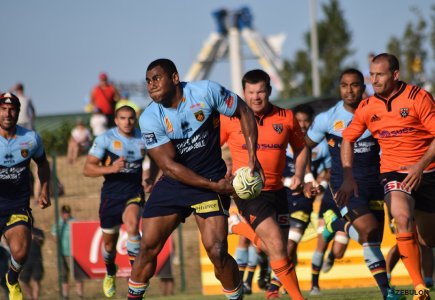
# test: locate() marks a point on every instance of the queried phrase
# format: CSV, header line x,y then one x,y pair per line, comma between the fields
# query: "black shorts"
x,y
328,203
300,208
169,198
18,217
33,269
424,196
111,209
268,203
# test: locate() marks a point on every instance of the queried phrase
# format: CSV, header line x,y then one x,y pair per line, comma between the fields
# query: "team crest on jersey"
x,y
313,155
229,101
117,145
338,125
24,152
150,138
277,127
169,127
199,115
404,112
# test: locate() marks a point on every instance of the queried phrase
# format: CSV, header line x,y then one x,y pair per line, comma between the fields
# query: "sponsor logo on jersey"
x,y
338,125
24,153
277,127
199,115
404,112
375,118
393,133
117,145
169,127
150,138
229,101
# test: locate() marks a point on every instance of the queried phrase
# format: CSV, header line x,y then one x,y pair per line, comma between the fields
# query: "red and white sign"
x,y
86,243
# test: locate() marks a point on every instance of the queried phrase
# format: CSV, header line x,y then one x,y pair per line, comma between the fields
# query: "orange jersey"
x,y
276,129
404,125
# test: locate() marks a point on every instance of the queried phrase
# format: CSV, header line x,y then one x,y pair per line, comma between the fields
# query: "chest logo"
x,y
24,153
277,127
117,145
199,115
168,124
338,125
404,112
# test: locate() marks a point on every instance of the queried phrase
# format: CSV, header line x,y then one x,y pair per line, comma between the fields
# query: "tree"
x,y
334,40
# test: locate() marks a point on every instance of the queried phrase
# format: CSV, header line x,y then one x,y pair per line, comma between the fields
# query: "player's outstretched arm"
x,y
349,186
164,156
94,168
250,132
44,177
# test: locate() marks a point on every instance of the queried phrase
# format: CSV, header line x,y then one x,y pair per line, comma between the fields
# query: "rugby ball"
x,y
247,186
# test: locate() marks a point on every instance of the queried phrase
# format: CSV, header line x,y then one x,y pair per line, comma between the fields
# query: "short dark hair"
x,y
125,107
256,76
65,209
305,109
166,64
355,72
393,62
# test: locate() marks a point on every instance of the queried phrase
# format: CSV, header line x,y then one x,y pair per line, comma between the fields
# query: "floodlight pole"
x,y
314,49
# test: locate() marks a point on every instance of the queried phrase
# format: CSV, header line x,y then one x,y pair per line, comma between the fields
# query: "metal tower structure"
x,y
226,42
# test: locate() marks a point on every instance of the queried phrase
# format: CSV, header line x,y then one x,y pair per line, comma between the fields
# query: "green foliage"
x,y
56,141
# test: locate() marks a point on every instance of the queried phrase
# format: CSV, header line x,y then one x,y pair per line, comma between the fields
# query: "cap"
x,y
103,76
65,209
9,98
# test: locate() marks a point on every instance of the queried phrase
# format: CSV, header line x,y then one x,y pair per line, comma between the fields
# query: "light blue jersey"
x,y
15,155
193,127
110,146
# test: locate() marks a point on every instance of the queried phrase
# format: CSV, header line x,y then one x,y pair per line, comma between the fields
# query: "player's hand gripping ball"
x,y
247,186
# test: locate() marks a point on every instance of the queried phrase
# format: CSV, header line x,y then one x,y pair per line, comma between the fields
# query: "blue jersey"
x,y
320,160
330,125
15,155
110,146
193,127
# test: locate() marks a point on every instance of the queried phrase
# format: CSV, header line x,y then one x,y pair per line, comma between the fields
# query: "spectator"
x,y
104,97
33,270
98,123
79,141
369,91
26,118
68,261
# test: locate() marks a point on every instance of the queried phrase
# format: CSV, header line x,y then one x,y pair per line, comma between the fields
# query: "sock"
x,y
133,247
410,255
252,264
245,230
109,260
353,234
285,271
136,290
316,266
14,271
242,260
376,263
235,294
428,281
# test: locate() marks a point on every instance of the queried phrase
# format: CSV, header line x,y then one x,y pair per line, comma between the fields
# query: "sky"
x,y
58,48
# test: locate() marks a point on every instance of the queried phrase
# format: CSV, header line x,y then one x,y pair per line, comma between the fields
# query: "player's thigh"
x,y
131,216
156,230
213,231
425,226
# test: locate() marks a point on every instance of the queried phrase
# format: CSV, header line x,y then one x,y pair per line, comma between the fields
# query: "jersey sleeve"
x,y
296,136
153,132
425,108
221,99
319,128
99,147
40,151
357,126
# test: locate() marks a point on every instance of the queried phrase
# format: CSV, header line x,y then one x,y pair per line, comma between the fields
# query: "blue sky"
x,y
57,48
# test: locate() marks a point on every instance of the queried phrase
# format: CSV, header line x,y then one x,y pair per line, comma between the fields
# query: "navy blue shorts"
x,y
268,203
168,198
18,217
111,209
300,208
423,196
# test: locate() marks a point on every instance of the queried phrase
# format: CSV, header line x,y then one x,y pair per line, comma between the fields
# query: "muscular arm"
x,y
164,156
44,178
250,132
94,168
349,186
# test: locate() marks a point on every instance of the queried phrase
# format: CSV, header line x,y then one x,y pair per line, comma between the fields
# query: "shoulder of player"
x,y
416,93
24,134
281,113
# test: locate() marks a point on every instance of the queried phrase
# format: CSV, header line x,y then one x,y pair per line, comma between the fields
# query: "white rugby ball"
x,y
247,186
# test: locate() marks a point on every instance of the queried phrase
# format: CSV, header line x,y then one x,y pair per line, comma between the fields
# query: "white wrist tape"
x,y
308,177
324,183
288,181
